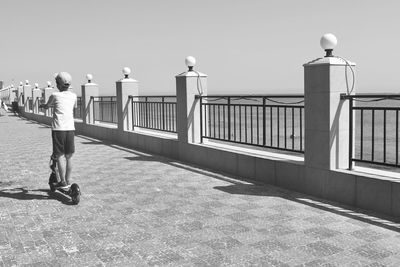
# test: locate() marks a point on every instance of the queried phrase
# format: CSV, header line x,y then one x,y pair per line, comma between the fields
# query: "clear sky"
x,y
245,46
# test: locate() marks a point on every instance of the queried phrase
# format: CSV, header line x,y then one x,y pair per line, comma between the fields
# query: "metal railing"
x,y
154,112
270,121
6,94
374,129
29,103
104,109
78,108
37,103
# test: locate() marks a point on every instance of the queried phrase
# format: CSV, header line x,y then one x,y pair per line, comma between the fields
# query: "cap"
x,y
63,78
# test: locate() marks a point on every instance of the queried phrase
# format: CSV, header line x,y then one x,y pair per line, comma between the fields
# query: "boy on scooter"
x,y
63,127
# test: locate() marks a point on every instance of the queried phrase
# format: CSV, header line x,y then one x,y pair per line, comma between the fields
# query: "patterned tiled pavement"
x,y
139,209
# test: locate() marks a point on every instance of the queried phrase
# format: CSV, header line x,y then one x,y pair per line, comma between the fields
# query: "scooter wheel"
x,y
75,194
52,188
52,181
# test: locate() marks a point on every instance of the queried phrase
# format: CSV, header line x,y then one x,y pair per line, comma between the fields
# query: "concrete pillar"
x,y
20,91
47,93
11,94
124,88
27,94
88,90
36,95
188,85
326,115
14,95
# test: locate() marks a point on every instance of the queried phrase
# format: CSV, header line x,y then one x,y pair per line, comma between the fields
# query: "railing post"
x,y
201,119
146,112
36,93
14,95
88,90
265,124
20,92
47,93
351,129
27,94
229,118
124,88
326,115
10,91
188,85
163,113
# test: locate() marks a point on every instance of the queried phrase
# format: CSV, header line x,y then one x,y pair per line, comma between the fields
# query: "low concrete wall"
x,y
367,191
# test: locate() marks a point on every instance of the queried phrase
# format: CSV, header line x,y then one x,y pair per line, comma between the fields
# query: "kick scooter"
x,y
74,191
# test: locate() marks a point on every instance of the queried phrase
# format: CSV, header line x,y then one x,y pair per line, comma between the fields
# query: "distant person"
x,y
63,127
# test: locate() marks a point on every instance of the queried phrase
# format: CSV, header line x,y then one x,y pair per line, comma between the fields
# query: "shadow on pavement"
x,y
22,193
380,220
247,187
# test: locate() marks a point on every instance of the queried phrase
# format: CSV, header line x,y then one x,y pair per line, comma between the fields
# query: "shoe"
x,y
61,185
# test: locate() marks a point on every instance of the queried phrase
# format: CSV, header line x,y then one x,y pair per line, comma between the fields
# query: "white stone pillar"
x,y
27,91
326,115
20,91
36,94
88,90
188,85
124,88
47,93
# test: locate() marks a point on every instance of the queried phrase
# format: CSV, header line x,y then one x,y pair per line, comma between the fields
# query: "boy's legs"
x,y
64,147
68,167
61,169
65,173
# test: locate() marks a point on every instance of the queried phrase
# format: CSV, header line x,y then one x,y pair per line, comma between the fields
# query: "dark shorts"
x,y
63,142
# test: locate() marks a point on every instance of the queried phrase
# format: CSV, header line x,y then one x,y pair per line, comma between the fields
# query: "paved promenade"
x,y
144,210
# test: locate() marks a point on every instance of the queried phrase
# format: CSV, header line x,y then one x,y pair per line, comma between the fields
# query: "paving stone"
x,y
368,235
269,245
321,249
160,258
233,229
223,243
321,232
372,252
267,261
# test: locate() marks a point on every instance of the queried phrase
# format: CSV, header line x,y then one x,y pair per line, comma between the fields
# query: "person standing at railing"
x,y
63,126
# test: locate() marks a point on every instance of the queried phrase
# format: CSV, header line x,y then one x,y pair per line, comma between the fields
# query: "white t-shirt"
x,y
63,104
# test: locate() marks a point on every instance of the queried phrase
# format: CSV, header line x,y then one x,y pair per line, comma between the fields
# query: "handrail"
x,y
370,95
154,96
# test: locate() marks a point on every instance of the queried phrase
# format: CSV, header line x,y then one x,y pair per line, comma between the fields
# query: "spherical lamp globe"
x,y
126,71
328,42
89,77
190,62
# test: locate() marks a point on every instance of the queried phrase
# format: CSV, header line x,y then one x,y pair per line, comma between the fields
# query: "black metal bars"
x,y
374,129
105,109
154,112
271,121
78,108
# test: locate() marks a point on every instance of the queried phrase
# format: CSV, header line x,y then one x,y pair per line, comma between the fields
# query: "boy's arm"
x,y
48,104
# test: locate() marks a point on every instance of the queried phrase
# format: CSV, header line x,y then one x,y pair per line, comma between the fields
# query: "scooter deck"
x,y
74,191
